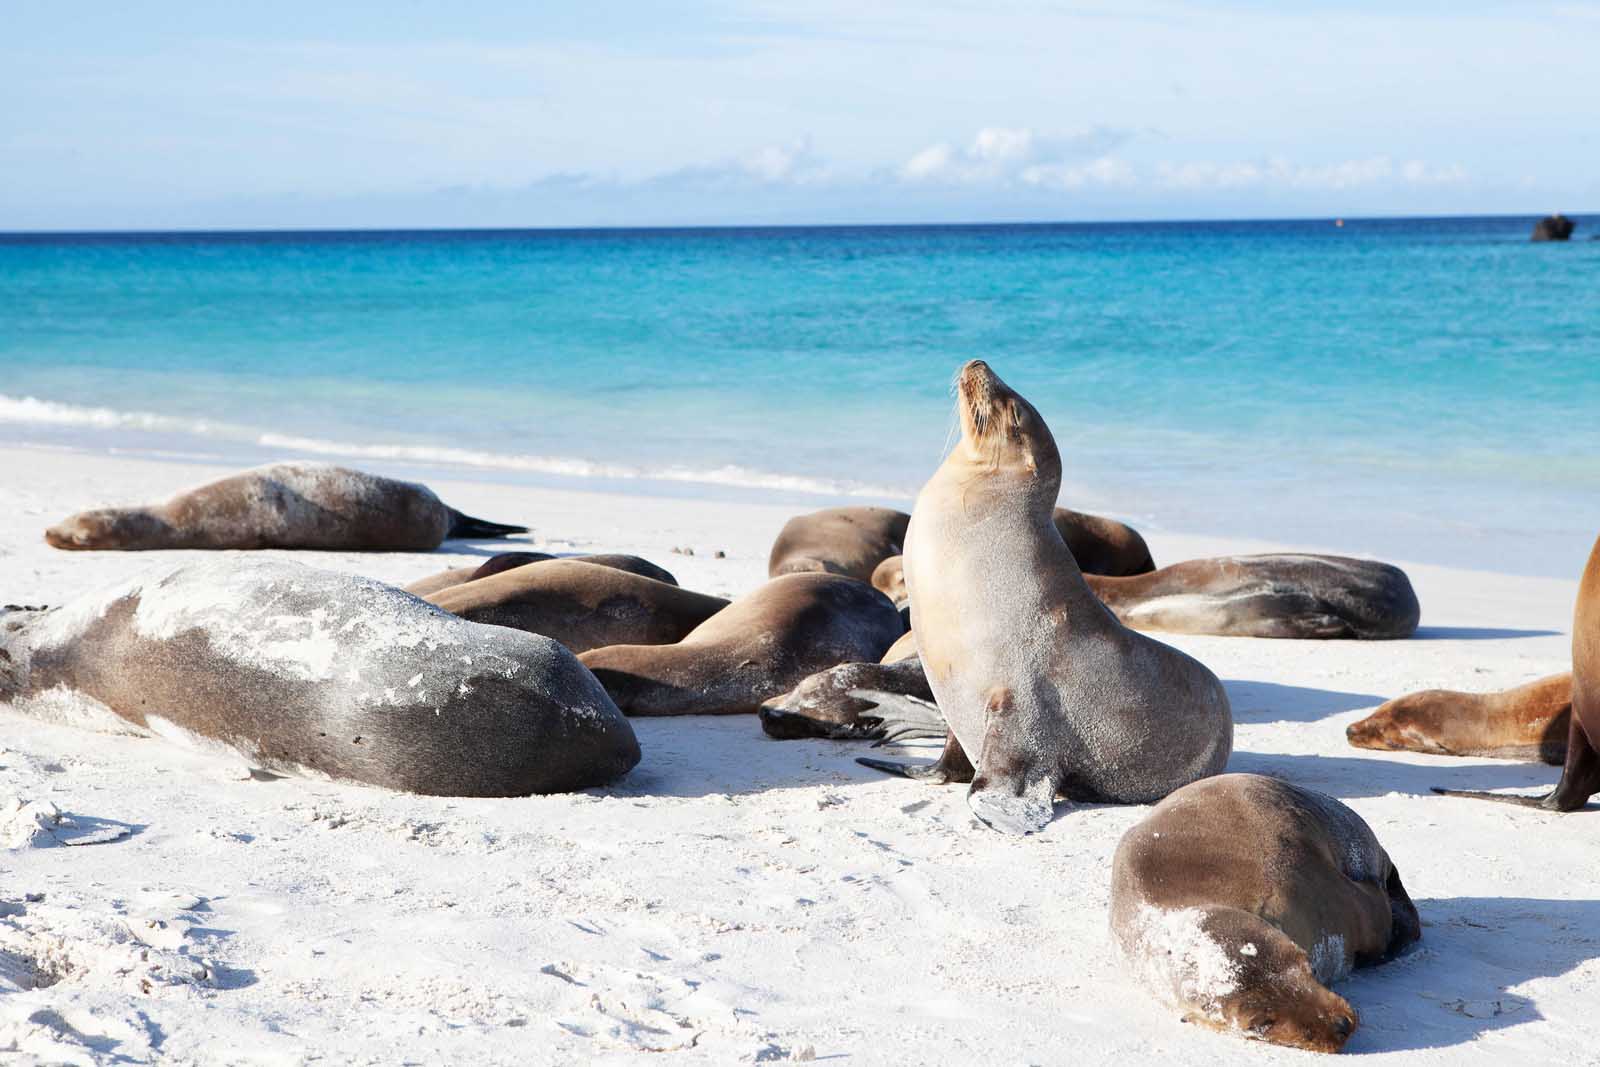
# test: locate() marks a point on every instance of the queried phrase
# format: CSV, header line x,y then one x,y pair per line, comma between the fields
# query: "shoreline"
x,y
735,897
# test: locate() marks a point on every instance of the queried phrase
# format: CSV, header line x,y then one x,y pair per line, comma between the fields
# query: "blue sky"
x,y
361,113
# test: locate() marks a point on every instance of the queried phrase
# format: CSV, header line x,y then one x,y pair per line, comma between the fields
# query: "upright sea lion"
x,y
308,671
1240,898
761,645
1526,723
1580,772
1274,595
1043,688
284,505
848,541
506,561
1101,545
1277,595
580,604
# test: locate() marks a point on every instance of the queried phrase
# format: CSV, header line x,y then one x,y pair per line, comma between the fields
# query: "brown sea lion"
x,y
849,541
825,704
580,604
1580,770
506,561
1530,722
1240,898
313,672
1044,689
284,505
1275,595
889,578
1101,545
761,645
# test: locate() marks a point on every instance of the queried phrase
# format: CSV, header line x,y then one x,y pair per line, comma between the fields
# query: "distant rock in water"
x,y
1553,228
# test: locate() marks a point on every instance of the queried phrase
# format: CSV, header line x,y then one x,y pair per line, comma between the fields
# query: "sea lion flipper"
x,y
951,766
903,717
1024,812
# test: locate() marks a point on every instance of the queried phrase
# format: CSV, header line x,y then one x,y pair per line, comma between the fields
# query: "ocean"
x,y
1415,389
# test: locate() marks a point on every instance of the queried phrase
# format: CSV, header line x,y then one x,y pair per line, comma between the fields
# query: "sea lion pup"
x,y
580,604
506,561
283,505
1102,545
827,704
1530,722
1045,691
1580,769
1239,898
308,671
761,645
1273,595
848,541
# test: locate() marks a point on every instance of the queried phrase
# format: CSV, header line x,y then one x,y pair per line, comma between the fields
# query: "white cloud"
x,y
1280,173
1004,155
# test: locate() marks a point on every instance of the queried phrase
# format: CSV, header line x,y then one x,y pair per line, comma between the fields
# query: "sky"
x,y
395,113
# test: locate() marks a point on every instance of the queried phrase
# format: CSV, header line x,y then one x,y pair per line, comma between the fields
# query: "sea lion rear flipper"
x,y
904,718
951,766
465,526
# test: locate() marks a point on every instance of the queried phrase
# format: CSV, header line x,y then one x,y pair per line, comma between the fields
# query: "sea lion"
x,y
580,604
1580,769
849,541
1240,898
307,671
283,505
506,561
761,645
1274,595
1044,689
827,705
1102,545
1530,722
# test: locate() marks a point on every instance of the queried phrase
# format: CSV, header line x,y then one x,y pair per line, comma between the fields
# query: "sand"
x,y
734,899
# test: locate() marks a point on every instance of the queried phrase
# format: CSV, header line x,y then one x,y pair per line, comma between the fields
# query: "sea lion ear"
x,y
1024,813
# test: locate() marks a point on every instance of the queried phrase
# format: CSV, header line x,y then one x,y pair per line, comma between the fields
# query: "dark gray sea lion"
x,y
506,561
313,672
1240,898
1275,595
285,505
1530,722
1045,691
761,645
1553,228
581,604
1580,770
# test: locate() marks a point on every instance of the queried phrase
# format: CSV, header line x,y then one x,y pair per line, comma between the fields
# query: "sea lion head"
x,y
1278,998
109,528
1411,722
1001,432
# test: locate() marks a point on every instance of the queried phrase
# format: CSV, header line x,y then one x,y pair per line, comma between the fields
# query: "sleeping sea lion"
x,y
506,561
580,604
1044,689
1530,722
761,645
284,505
1240,898
313,672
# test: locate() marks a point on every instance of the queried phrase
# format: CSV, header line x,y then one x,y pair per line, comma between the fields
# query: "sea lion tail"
x,y
465,526
1503,798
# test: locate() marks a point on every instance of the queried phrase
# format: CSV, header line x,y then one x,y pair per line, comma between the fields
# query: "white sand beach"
x,y
734,898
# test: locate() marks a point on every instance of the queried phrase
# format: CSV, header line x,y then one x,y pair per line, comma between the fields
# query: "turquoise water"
x,y
1419,389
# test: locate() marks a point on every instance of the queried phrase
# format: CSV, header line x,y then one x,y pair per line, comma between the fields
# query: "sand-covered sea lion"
x,y
1279,594
581,604
313,672
1045,691
761,645
506,561
283,505
1240,898
1580,769
1529,722
1275,595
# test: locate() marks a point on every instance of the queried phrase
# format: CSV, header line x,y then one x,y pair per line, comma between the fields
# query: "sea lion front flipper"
x,y
903,717
1011,790
951,766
